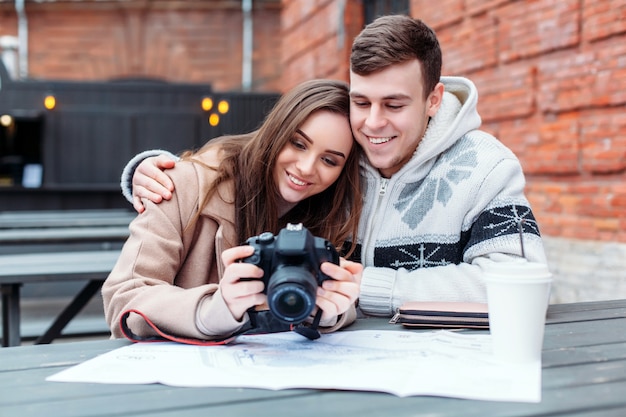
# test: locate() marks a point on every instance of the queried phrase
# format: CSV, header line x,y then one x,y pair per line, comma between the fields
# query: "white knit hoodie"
x,y
428,231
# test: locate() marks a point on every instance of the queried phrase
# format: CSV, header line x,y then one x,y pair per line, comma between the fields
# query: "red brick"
x,y
603,19
618,202
556,151
505,92
528,29
482,6
593,76
603,141
469,45
437,14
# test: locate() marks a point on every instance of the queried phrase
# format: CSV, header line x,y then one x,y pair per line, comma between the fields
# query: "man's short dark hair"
x,y
396,39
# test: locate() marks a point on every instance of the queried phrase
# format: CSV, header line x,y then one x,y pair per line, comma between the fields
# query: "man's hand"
x,y
149,181
336,295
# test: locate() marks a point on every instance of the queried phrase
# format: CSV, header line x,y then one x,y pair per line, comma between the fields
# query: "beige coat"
x,y
170,266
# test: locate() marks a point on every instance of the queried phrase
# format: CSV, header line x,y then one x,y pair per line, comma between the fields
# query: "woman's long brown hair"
x,y
249,161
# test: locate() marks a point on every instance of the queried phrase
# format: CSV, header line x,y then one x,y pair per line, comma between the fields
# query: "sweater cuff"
x,y
376,291
126,182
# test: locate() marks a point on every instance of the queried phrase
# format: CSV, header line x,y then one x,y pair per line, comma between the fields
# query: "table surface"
x,y
584,375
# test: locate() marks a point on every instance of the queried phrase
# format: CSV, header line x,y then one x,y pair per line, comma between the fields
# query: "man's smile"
x,y
378,140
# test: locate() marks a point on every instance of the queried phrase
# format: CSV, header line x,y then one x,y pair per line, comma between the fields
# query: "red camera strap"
x,y
163,336
252,327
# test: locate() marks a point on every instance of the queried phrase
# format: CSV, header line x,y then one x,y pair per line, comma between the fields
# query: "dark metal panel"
x,y
174,131
87,147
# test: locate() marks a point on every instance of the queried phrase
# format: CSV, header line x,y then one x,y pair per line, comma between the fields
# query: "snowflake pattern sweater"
x,y
428,231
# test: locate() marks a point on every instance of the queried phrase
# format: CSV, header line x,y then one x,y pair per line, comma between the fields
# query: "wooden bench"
x,y
65,218
62,239
63,234
19,269
61,231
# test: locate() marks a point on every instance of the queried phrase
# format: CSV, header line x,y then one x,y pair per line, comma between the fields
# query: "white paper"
x,y
439,363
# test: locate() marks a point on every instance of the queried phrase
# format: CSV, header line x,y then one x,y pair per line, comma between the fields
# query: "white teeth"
x,y
296,181
377,141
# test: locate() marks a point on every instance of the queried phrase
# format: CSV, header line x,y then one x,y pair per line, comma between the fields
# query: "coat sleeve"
x,y
160,273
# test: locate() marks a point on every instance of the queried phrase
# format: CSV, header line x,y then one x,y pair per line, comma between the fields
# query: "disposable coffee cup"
x,y
518,293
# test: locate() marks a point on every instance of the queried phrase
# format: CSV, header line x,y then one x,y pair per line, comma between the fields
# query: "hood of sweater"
x,y
456,117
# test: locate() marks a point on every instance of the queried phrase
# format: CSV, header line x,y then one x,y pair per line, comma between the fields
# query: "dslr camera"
x,y
291,269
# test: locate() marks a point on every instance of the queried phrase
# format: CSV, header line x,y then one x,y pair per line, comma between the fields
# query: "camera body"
x,y
291,269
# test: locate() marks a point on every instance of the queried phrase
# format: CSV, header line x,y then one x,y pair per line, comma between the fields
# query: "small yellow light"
x,y
6,120
223,106
207,103
214,119
49,102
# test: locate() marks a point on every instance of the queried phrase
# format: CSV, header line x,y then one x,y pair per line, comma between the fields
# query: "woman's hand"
x,y
149,181
239,294
336,295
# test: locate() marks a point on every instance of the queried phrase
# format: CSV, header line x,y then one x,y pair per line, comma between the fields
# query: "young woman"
x,y
179,268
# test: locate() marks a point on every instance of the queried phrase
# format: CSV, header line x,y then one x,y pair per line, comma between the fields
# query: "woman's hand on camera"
x,y
336,295
239,294
149,181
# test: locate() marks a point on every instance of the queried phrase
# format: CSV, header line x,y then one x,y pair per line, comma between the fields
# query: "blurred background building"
x,y
551,76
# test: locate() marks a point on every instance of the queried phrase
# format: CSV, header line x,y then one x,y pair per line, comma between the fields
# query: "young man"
x,y
442,198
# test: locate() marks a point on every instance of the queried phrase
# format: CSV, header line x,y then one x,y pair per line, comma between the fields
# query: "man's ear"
x,y
433,102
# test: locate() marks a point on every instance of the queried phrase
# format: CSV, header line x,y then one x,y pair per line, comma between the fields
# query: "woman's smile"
x,y
297,181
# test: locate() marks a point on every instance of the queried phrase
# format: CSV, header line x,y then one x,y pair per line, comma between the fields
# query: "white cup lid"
x,y
517,269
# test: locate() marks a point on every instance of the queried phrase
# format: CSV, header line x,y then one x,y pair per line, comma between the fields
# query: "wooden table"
x,y
584,375
15,270
56,246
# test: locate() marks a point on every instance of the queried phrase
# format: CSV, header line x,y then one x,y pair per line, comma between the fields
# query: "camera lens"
x,y
291,294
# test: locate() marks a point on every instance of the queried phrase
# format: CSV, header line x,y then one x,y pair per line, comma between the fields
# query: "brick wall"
x,y
551,76
195,41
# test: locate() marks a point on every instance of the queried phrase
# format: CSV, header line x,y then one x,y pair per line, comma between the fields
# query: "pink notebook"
x,y
417,314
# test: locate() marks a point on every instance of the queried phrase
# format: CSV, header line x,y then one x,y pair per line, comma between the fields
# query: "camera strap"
x,y
260,322
162,336
311,331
